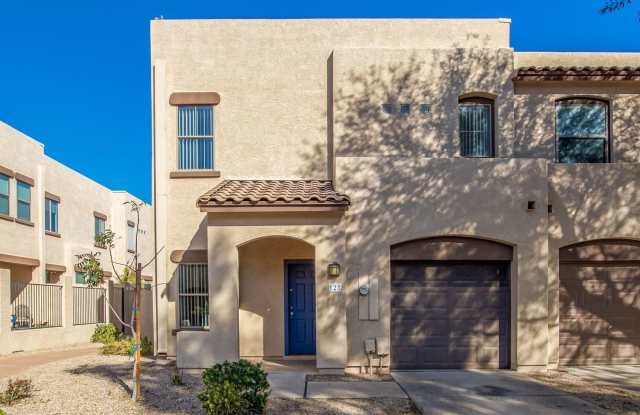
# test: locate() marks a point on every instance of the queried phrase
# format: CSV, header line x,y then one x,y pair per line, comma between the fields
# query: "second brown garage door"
x,y
449,314
600,303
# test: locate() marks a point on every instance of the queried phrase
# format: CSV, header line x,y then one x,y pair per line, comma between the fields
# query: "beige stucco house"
x,y
48,215
416,186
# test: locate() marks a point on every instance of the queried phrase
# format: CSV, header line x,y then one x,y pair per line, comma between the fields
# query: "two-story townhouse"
x,y
49,214
417,187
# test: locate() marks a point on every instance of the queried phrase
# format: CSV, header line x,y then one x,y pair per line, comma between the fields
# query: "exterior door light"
x,y
333,270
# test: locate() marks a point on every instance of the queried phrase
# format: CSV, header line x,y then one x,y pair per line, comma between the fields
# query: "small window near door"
x,y
193,294
476,127
80,277
582,131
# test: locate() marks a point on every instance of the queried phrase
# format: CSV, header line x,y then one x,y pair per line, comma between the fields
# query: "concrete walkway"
x,y
488,393
354,390
621,377
14,364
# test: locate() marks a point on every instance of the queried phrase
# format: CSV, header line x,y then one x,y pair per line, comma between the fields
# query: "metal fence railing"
x,y
35,306
88,305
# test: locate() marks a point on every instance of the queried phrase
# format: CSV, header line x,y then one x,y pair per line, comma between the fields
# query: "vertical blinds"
x,y
475,130
193,290
195,137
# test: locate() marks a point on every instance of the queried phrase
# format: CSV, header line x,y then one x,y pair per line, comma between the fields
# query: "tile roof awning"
x,y
273,196
577,73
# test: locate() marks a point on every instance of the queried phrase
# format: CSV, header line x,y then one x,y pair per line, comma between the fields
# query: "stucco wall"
x,y
262,293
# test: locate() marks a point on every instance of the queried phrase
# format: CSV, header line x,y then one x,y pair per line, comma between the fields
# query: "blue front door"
x,y
301,309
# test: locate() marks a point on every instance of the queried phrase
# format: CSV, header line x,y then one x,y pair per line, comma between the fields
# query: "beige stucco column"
x,y
331,317
5,309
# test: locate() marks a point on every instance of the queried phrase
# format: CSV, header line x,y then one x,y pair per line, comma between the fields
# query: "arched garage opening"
x,y
600,302
450,303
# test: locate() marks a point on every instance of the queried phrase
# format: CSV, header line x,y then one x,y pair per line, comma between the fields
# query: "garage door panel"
x,y
599,313
449,315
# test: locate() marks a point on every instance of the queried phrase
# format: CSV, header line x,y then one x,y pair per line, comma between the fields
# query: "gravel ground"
x,y
614,401
101,385
382,406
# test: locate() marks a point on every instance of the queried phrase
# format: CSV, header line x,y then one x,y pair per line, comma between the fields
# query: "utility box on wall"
x,y
367,296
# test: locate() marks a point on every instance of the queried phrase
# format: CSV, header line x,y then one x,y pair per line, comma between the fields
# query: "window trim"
x,y
608,158
198,137
477,99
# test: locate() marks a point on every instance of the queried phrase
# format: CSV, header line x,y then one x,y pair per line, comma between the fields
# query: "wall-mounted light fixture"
x,y
333,270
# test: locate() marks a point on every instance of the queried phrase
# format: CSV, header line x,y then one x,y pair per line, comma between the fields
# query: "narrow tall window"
x,y
582,131
24,200
476,127
51,215
193,292
99,227
4,194
195,137
131,236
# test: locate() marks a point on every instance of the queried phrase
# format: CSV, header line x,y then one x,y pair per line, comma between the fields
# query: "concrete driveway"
x,y
486,392
622,377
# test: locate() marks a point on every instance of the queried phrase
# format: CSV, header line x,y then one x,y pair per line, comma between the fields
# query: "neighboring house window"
x,y
80,277
193,293
51,215
405,109
195,137
24,200
4,194
582,131
476,127
131,237
99,227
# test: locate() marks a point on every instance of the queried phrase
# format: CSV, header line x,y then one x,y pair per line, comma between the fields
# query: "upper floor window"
x,y
131,236
99,226
582,131
476,127
4,194
23,191
195,137
51,215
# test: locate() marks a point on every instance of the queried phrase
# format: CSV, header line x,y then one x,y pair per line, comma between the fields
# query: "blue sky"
x,y
75,74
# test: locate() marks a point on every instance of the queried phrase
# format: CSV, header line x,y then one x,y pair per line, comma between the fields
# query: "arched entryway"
x,y
450,303
277,297
600,302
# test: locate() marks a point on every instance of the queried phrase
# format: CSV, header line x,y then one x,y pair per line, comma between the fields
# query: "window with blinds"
x,y
4,194
476,128
582,131
50,215
195,137
193,294
23,191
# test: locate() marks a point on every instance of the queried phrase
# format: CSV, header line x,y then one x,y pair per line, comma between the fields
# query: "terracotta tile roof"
x,y
275,194
577,73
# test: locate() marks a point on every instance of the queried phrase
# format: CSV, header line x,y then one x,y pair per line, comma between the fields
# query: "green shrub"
x,y
105,333
124,346
118,347
145,345
234,388
16,390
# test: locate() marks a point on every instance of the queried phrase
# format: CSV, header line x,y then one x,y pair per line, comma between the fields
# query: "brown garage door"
x,y
449,314
600,303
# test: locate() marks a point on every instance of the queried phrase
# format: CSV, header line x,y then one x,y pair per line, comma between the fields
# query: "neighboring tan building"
x,y
48,215
482,205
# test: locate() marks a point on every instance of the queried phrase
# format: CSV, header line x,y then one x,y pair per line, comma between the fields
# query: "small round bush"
x,y
105,333
232,388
